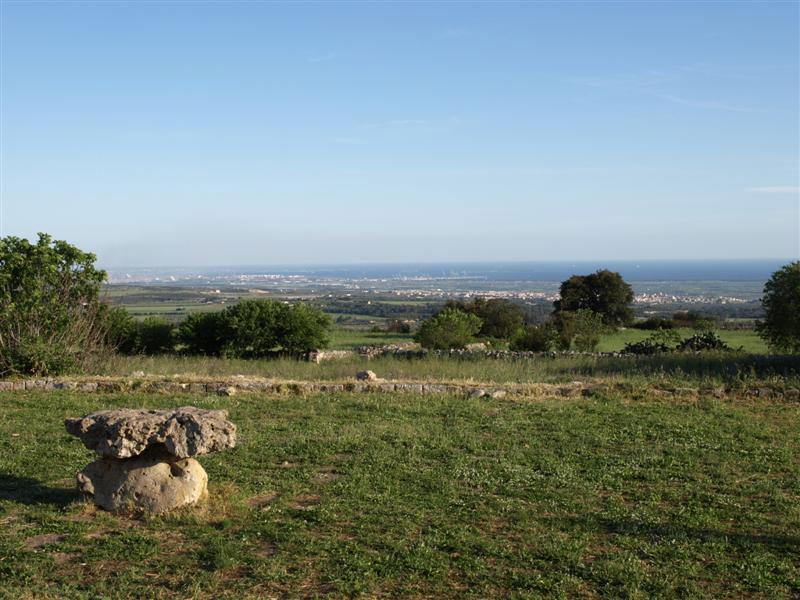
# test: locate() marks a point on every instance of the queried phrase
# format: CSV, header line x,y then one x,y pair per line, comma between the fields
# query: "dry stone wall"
x,y
237,385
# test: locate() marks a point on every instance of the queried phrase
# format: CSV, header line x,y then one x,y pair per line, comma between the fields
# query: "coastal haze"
x,y
730,280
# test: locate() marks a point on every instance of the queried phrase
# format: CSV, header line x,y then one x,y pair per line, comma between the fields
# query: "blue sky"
x,y
180,133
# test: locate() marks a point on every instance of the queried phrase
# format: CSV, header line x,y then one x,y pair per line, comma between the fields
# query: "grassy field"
x,y
343,339
433,496
708,368
746,339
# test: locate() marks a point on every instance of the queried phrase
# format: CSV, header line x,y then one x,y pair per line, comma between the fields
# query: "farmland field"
x,y
435,496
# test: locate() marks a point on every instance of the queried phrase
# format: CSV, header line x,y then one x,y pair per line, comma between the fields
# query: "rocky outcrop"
x,y
146,462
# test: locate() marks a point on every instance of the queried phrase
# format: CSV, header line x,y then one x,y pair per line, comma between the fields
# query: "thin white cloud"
x,y
711,105
775,189
318,58
456,32
347,140
649,81
405,122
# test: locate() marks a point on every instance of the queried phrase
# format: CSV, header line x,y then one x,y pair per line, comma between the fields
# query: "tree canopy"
x,y
781,301
51,319
604,292
451,328
256,329
500,319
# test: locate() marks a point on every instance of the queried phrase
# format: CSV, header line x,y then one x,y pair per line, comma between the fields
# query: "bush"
x,y
398,326
128,336
580,329
51,320
301,328
781,301
256,329
700,342
451,328
500,319
663,340
534,338
154,336
693,320
119,330
204,333
654,324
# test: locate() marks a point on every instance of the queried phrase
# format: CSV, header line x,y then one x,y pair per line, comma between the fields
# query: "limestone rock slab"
x,y
127,432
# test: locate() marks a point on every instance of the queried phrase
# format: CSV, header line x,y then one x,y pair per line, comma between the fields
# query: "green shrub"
x,y
119,330
534,338
398,326
255,329
580,329
451,328
51,320
151,336
301,328
154,336
663,340
654,324
500,319
204,333
700,342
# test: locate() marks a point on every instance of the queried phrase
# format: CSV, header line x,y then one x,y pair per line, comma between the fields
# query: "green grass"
x,y
709,368
747,339
345,339
382,496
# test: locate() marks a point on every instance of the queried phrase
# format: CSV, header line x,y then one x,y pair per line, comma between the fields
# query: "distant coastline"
x,y
753,270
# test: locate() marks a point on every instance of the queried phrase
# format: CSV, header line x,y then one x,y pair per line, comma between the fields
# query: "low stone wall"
x,y
236,385
410,351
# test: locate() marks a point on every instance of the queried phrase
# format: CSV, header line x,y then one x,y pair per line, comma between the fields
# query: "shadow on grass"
x,y
26,490
745,541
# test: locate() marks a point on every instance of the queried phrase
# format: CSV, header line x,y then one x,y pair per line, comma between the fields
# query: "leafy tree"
x,y
256,329
120,330
204,333
451,328
781,301
50,314
605,293
580,329
500,318
302,328
154,336
534,338
589,327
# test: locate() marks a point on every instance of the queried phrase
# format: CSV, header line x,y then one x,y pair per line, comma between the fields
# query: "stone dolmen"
x,y
146,462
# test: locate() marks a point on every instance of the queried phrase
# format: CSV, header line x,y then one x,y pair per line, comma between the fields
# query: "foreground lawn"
x,y
429,496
